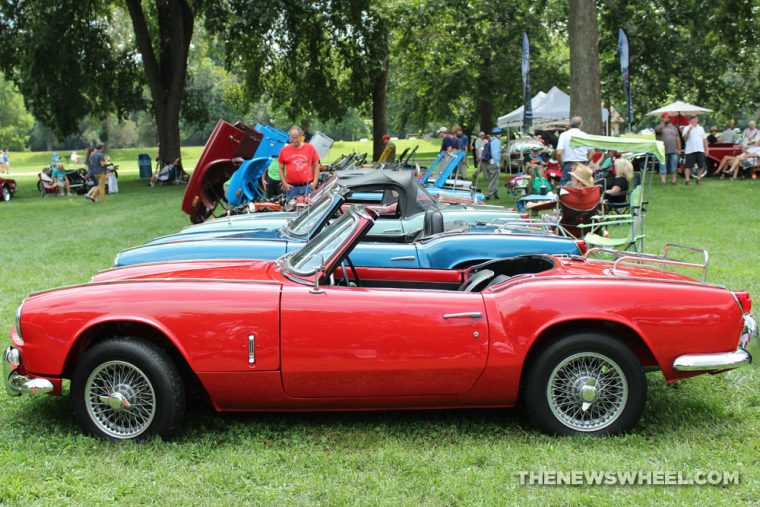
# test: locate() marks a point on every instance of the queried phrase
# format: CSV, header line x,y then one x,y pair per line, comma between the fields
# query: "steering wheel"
x,y
477,281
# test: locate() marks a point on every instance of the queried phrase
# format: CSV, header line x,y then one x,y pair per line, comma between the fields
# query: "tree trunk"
x,y
166,65
379,110
486,115
585,87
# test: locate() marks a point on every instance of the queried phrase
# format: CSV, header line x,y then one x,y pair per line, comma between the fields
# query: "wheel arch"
x,y
101,331
626,334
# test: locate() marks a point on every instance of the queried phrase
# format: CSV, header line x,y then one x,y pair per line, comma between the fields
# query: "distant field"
x,y
126,158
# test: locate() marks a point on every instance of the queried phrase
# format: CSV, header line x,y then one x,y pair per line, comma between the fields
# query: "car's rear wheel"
x,y
585,383
127,389
6,193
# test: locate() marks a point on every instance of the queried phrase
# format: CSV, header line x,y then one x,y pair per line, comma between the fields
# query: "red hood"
x,y
222,270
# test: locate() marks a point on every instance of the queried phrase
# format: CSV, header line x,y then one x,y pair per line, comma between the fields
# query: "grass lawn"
x,y
709,423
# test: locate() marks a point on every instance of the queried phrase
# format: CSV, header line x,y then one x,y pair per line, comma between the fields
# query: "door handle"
x,y
404,258
472,315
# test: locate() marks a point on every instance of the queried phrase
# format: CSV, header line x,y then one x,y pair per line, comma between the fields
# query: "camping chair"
x,y
47,186
632,223
578,206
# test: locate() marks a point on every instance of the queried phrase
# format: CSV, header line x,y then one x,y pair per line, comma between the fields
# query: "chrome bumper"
x,y
748,352
16,384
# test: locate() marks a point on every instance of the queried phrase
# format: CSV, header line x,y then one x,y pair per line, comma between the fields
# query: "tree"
x,y
15,120
309,58
63,61
585,87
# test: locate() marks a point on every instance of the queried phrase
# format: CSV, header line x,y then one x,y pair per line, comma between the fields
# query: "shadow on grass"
x,y
671,413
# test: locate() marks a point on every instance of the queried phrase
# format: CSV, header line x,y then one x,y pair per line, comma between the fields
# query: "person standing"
x,y
477,150
492,160
668,134
464,145
97,163
298,165
6,161
567,155
3,167
696,148
449,142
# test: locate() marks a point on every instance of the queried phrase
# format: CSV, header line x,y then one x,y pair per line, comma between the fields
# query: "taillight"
x,y
745,301
582,246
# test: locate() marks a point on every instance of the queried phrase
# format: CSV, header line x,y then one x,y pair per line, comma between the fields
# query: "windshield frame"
x,y
327,246
313,216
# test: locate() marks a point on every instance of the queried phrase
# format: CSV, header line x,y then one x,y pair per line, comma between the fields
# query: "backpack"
x,y
486,155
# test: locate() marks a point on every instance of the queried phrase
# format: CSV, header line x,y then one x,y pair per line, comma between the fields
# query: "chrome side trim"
x,y
145,280
472,315
16,384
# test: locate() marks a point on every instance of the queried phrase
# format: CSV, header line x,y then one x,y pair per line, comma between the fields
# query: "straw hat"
x,y
583,174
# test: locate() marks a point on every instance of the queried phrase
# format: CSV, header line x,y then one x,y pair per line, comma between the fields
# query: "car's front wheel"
x,y
127,389
585,383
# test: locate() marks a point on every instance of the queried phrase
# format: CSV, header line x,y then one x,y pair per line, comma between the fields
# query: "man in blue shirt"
x,y
449,142
492,166
464,142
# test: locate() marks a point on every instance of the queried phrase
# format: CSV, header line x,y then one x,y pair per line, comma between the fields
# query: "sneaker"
x,y
688,182
674,183
698,181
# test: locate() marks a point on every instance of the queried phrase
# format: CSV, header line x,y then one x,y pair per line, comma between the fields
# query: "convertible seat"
x,y
477,281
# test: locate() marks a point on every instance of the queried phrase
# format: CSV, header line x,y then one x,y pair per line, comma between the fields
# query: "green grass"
x,y
126,158
390,458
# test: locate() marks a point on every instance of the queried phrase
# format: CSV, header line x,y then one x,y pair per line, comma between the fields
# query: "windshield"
x,y
324,188
309,218
323,247
425,199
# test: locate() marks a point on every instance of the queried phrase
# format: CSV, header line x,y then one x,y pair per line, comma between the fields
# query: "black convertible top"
x,y
413,198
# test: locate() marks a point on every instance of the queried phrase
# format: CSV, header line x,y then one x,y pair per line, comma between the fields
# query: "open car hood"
x,y
225,149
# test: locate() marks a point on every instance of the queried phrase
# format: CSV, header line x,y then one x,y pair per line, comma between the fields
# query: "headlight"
x,y
18,320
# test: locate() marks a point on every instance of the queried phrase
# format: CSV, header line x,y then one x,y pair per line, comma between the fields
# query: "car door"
x,y
385,255
363,342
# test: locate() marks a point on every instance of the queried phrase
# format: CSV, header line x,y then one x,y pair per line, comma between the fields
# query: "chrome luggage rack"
x,y
620,256
529,225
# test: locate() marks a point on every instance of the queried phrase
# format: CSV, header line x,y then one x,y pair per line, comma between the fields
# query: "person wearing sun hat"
x,y
581,176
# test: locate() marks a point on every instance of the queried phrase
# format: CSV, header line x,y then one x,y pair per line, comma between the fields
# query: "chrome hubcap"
x,y
587,391
120,399
6,194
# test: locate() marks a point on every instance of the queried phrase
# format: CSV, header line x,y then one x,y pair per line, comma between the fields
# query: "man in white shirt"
x,y
567,155
695,150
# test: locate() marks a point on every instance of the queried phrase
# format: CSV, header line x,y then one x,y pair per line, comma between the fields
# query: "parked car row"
x,y
375,296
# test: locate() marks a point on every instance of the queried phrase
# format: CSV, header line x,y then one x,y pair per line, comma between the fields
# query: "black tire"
x,y
6,193
148,380
611,410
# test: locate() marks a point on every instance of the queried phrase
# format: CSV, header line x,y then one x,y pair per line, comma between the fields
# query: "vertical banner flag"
x,y
527,107
625,71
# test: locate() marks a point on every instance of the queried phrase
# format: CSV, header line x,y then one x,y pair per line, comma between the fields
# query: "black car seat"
x,y
477,281
433,222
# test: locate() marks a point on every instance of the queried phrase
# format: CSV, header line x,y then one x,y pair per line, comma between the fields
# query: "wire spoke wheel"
x,y
120,399
587,391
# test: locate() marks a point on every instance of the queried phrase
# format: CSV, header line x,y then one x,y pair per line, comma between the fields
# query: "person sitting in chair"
x,y
617,186
50,184
59,175
166,174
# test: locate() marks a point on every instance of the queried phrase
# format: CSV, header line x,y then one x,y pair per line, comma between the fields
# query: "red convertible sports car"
x,y
570,336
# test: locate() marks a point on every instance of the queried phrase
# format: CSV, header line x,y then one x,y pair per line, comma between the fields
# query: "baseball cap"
x,y
481,133
665,115
385,137
443,129
496,130
535,148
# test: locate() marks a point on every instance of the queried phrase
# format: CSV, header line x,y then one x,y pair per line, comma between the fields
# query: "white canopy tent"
x,y
680,107
552,108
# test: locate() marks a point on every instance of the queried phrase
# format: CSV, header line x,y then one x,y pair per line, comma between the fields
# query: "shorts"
x,y
670,165
696,158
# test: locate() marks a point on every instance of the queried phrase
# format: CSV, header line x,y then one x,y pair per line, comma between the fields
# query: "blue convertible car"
x,y
435,244
399,198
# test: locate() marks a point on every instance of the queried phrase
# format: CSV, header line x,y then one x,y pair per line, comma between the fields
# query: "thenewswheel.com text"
x,y
629,478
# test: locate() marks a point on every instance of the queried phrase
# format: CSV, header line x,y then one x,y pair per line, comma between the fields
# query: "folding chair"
x,y
632,223
578,206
